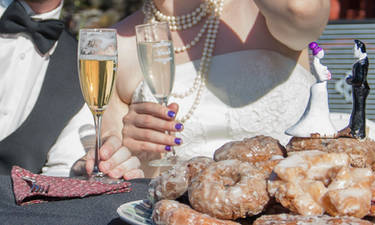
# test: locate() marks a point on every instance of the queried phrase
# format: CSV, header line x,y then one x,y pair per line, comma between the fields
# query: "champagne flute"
x,y
97,65
156,58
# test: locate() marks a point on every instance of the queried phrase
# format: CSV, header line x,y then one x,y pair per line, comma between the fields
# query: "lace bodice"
x,y
247,93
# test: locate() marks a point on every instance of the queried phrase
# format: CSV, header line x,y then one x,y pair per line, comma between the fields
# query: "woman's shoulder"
x,y
126,31
125,27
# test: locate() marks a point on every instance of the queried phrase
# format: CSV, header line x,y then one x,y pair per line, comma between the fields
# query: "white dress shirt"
x,y
22,74
72,144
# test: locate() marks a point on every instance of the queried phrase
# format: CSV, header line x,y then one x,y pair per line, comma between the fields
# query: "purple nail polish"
x,y
171,114
177,141
167,148
178,126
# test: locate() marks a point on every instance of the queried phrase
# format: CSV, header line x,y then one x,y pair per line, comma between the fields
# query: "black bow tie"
x,y
44,33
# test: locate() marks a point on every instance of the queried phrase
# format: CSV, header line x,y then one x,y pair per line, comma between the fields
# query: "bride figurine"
x,y
316,121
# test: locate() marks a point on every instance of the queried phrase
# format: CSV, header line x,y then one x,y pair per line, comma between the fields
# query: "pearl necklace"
x,y
181,22
212,7
184,21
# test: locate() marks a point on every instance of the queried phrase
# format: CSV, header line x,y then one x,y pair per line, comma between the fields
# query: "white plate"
x,y
136,212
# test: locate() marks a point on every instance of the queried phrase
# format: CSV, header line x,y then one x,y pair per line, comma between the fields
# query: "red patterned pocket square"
x,y
32,188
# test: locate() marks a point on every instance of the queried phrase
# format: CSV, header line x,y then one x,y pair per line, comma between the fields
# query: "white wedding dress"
x,y
248,93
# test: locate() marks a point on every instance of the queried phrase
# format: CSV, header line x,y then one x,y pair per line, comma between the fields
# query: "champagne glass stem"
x,y
98,127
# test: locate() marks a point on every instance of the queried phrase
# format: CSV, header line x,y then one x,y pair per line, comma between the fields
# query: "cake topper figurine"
x,y
360,91
316,121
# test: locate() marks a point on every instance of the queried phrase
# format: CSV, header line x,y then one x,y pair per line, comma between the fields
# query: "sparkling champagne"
x,y
97,77
157,64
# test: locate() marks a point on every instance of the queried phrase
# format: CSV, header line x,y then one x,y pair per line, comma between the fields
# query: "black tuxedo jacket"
x,y
60,98
359,74
361,90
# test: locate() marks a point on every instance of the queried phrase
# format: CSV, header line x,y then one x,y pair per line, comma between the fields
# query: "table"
x,y
88,211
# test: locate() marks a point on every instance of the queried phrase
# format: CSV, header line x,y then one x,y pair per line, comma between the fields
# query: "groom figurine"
x,y
39,88
361,89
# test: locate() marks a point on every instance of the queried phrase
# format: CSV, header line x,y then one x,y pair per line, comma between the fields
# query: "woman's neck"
x,y
177,7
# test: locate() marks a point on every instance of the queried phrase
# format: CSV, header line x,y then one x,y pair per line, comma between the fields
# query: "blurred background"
x,y
104,13
352,9
96,13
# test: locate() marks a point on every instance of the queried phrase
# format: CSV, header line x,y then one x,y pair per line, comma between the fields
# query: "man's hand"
x,y
115,160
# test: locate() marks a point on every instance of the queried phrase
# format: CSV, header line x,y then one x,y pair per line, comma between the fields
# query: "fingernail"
x,y
168,148
171,114
178,126
177,141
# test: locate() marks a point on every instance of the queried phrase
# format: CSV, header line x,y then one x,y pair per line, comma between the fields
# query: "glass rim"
x,y
151,24
97,30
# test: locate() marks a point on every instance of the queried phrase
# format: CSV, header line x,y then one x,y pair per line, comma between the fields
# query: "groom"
x,y
39,88
361,89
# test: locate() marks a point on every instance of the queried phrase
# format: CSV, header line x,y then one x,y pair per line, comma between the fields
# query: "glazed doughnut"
x,y
256,149
361,152
174,182
261,151
314,182
229,189
286,219
315,165
197,165
372,209
349,193
303,197
169,212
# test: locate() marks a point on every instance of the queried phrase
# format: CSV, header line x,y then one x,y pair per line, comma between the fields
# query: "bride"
x,y
316,120
241,70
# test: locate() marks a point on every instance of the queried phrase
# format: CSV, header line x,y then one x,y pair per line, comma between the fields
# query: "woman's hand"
x,y
145,127
115,160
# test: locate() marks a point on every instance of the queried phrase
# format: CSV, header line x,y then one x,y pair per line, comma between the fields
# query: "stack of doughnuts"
x,y
245,175
174,182
315,182
361,152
